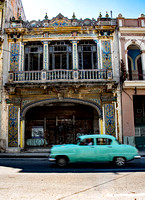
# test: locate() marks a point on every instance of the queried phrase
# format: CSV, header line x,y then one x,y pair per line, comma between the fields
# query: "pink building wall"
x,y
128,113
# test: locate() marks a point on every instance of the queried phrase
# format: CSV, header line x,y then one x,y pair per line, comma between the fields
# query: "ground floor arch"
x,y
58,122
45,122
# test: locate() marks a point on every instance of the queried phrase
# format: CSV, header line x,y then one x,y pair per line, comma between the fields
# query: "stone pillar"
x,y
101,126
22,58
45,56
98,55
143,63
75,55
1,18
13,126
14,57
109,112
22,134
106,54
0,77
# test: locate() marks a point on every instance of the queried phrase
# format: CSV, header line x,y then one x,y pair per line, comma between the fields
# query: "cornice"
x,y
134,84
132,30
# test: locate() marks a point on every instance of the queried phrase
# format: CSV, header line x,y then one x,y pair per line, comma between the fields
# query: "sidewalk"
x,y
37,155
24,155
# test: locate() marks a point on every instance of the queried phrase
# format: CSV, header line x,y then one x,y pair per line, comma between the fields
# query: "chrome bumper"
x,y
137,157
52,159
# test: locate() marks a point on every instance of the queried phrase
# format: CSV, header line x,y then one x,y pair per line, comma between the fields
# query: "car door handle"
x,y
109,146
92,147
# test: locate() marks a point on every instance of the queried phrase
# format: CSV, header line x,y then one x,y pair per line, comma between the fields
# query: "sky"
x,y
36,10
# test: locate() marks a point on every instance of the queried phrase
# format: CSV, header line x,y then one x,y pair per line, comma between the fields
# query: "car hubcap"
x,y
61,162
120,161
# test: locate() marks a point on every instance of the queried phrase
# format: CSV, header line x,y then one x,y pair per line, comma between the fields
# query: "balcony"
x,y
60,76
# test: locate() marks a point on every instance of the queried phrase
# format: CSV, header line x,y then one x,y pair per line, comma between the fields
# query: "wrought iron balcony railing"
x,y
60,75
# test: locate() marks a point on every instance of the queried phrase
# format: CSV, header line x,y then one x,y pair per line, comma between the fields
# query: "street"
x,y
36,178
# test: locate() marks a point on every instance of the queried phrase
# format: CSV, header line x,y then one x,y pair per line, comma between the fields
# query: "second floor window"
x,y
135,69
33,56
87,52
60,55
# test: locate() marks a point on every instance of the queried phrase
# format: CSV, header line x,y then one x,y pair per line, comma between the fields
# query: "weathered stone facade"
x,y
61,80
61,77
8,9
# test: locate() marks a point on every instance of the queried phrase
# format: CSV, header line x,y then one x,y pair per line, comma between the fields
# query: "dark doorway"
x,y
139,120
57,123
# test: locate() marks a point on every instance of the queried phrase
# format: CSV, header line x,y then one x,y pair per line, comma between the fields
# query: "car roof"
x,y
97,136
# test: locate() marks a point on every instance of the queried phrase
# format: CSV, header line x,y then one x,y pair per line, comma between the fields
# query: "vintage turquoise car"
x,y
93,148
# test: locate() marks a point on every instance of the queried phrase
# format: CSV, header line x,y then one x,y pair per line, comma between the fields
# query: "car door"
x,y
85,151
103,149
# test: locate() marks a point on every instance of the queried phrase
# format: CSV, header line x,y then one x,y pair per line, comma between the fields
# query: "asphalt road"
x,y
42,165
38,179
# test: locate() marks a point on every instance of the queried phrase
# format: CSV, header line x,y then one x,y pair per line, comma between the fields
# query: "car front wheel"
x,y
119,161
61,161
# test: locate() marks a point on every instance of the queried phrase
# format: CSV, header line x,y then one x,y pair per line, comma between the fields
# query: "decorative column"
x,y
143,63
101,126
0,77
45,56
14,57
106,54
13,126
109,112
98,55
22,134
1,12
75,55
22,57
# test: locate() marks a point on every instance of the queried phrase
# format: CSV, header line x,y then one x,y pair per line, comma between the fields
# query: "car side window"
x,y
87,141
103,141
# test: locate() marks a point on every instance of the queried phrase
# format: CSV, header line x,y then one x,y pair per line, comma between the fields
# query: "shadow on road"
x,y
30,165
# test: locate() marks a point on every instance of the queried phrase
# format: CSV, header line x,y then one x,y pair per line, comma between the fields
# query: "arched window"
x,y
134,63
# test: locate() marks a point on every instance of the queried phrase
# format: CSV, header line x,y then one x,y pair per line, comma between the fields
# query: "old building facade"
x,y
132,54
62,77
8,9
61,80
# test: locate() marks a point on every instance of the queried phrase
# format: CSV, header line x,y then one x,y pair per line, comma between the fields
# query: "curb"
x,y
4,155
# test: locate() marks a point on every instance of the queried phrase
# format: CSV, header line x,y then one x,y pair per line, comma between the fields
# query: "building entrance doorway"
x,y
58,123
139,120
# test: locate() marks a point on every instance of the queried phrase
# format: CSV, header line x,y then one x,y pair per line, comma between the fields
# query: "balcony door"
x,y
33,56
60,55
